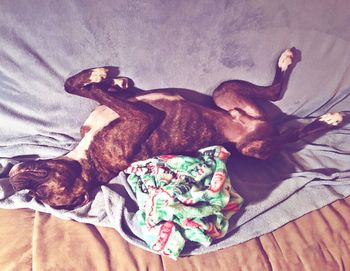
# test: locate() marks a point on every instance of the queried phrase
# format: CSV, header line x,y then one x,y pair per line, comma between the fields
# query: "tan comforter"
x,y
32,240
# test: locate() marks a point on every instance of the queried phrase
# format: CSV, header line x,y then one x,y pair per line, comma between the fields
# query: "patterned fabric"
x,y
183,198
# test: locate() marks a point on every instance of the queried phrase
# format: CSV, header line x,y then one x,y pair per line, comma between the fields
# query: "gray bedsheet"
x,y
192,45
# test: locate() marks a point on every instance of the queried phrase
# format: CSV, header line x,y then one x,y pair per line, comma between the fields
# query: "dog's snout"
x,y
36,171
14,169
28,175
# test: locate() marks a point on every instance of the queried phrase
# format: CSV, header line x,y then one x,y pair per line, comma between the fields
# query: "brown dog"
x,y
132,125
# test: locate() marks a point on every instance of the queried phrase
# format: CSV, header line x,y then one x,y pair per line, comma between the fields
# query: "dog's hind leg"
x,y
239,95
265,148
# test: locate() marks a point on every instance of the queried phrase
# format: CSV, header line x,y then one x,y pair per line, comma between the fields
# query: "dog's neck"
x,y
96,121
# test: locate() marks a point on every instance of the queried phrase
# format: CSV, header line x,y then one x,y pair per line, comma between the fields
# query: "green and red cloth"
x,y
183,198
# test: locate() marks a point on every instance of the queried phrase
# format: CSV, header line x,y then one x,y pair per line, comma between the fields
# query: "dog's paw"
x,y
285,59
121,82
333,119
97,75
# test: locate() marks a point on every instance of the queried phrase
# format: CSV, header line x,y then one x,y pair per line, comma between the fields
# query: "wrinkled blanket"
x,y
188,45
183,198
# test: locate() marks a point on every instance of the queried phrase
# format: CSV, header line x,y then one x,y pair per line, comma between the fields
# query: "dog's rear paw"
x,y
285,59
333,119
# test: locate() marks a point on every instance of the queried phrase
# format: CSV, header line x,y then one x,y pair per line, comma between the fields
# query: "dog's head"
x,y
56,182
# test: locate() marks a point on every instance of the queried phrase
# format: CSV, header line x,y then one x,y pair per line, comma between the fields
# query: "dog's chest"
x,y
97,120
100,117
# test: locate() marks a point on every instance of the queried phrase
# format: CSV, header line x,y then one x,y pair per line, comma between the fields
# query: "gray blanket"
x,y
187,45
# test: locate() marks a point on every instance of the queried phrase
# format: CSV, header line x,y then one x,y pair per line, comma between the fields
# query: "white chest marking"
x,y
158,96
97,120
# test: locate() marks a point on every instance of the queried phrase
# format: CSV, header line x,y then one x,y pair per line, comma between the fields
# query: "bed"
x,y
296,211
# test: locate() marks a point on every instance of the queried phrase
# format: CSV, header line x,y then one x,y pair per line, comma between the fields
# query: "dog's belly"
x,y
188,127
185,129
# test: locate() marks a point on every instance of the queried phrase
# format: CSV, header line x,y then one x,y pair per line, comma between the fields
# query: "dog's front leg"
x,y
108,76
136,120
102,85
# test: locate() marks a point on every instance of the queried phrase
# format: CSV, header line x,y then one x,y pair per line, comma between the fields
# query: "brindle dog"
x,y
132,125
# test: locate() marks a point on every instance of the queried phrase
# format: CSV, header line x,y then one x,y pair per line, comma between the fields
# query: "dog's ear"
x,y
34,195
40,192
45,193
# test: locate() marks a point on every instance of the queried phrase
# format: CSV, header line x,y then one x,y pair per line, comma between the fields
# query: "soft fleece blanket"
x,y
182,198
185,45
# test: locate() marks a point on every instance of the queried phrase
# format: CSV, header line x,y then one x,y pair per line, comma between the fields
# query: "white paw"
x,y
285,59
97,75
121,82
332,118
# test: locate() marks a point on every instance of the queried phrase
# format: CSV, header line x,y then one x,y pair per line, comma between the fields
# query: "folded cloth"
x,y
183,198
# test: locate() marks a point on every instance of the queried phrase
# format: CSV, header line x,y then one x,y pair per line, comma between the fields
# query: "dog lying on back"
x,y
131,124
